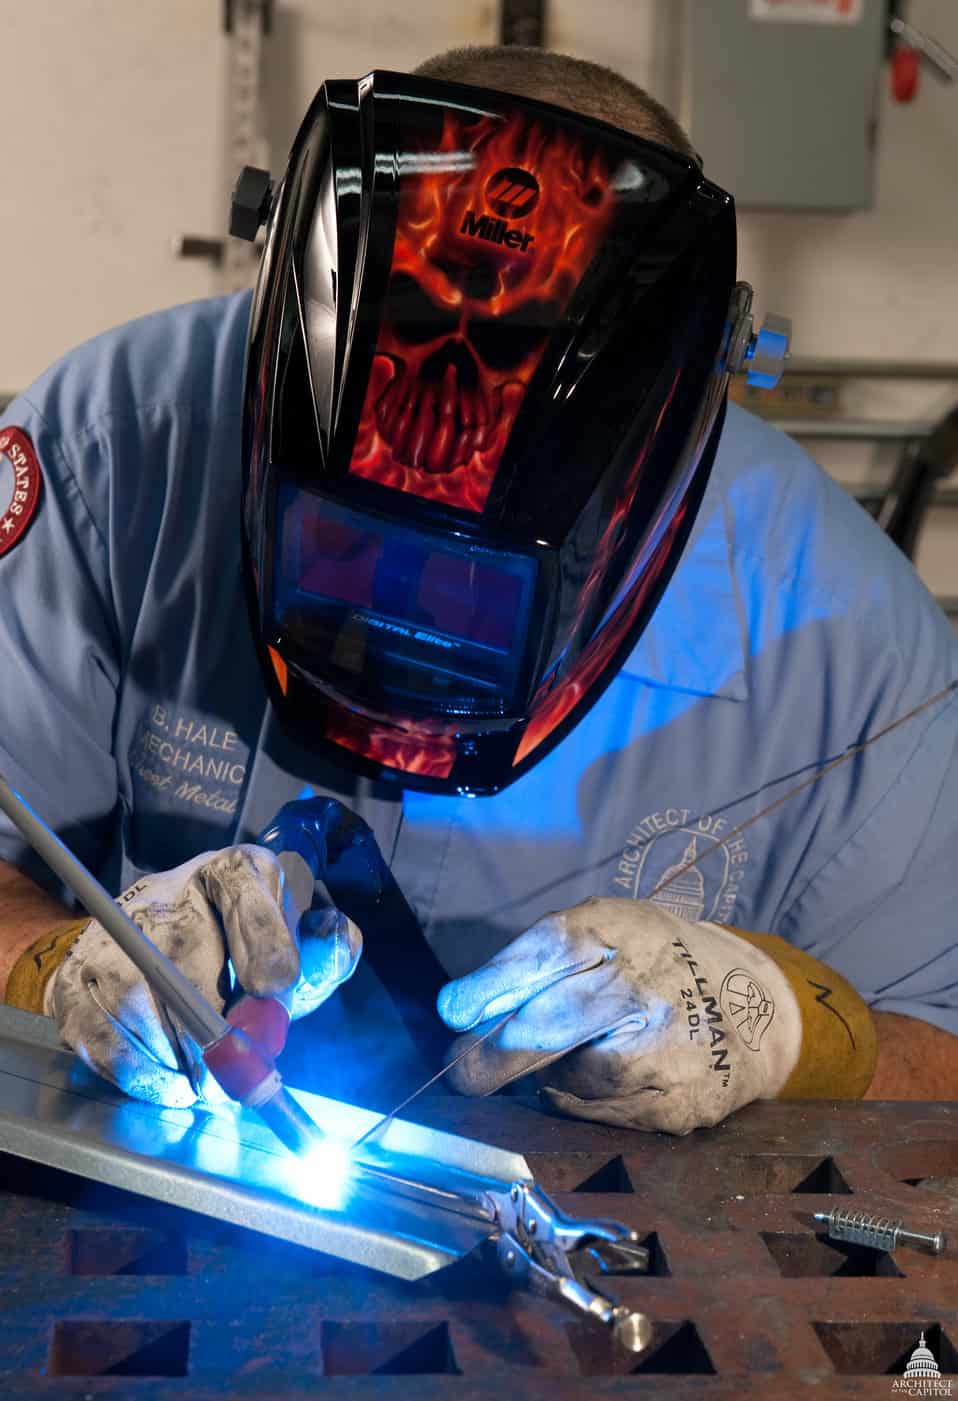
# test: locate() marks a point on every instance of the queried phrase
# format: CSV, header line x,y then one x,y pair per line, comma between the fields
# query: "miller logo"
x,y
512,193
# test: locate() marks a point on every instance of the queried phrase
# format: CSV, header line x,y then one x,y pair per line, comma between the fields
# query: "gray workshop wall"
x,y
881,284
113,134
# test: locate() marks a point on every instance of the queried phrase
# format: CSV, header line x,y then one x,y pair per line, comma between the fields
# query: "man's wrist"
x,y
27,913
33,971
15,943
839,1043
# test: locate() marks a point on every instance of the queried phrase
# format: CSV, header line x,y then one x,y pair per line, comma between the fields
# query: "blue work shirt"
x,y
134,717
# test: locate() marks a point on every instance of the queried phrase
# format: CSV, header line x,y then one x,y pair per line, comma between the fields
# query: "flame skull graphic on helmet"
x,y
494,232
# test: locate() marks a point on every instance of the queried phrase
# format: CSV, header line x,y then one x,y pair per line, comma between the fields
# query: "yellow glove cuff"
x,y
28,978
839,1041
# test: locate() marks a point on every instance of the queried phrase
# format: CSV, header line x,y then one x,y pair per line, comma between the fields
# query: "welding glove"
x,y
634,1017
221,910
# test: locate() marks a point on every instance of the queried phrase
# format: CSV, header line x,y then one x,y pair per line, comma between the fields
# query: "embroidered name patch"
x,y
20,480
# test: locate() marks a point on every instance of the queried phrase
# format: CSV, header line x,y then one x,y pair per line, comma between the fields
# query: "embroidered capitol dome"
x,y
922,1362
683,895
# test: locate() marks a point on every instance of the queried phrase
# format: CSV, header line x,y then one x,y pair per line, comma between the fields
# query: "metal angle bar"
x,y
945,498
861,429
224,1164
873,369
248,26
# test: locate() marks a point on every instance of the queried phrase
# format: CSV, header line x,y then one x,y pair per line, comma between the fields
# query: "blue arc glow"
x,y
321,1177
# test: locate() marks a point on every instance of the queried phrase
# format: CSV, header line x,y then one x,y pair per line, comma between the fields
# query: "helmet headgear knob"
x,y
761,354
251,202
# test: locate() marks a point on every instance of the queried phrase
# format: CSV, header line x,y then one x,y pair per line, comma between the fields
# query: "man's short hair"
x,y
584,87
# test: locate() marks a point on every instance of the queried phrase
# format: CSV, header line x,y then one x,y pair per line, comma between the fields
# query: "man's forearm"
x,y
26,914
915,1060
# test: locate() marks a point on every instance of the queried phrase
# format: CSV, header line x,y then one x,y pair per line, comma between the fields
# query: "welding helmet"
x,y
486,373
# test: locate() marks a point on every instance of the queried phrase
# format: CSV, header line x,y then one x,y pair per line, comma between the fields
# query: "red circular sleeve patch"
x,y
20,480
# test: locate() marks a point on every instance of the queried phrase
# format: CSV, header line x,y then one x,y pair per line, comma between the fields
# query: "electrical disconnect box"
x,y
780,98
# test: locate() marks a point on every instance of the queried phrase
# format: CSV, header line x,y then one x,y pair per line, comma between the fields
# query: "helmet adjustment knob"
x,y
761,354
251,202
768,351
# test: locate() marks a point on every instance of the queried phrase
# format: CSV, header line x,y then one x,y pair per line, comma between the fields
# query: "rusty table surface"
x,y
105,1294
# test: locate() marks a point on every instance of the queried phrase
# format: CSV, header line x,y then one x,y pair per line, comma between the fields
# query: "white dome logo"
x,y
922,1362
922,1375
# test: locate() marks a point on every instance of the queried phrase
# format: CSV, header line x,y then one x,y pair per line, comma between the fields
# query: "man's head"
x,y
583,87
484,389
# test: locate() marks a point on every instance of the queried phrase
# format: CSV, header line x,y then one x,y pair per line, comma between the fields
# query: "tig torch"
x,y
238,1049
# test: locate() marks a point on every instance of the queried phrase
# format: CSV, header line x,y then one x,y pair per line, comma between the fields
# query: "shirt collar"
x,y
696,641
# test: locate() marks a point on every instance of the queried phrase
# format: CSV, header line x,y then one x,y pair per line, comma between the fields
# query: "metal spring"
x,y
878,1232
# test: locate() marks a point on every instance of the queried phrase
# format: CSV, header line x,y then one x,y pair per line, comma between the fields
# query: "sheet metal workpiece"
x,y
106,1293
227,1165
417,1200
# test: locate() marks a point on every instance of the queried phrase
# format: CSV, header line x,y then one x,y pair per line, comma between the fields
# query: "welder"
x,y
450,523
